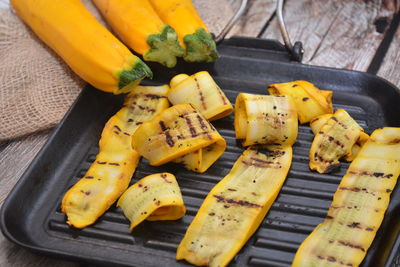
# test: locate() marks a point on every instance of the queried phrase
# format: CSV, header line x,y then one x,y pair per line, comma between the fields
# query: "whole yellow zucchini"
x,y
192,32
87,47
139,26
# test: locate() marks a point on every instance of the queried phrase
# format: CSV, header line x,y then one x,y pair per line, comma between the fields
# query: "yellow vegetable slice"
x,y
265,119
358,206
309,100
110,173
236,206
333,141
176,132
317,123
202,92
155,197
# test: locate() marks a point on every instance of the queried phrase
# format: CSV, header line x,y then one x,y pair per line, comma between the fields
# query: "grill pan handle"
x,y
296,50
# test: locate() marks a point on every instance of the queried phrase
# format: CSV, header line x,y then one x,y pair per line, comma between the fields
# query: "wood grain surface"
x,y
342,34
390,68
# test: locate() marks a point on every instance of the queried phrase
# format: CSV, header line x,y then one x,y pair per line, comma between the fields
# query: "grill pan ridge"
x,y
31,215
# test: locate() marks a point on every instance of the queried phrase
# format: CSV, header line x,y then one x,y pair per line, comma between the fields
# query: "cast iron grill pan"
x,y
31,215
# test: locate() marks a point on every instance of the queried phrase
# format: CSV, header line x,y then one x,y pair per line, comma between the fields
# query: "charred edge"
x,y
348,244
168,137
202,124
130,120
113,163
255,164
243,203
264,161
328,217
374,174
223,98
85,192
152,110
332,167
116,127
331,259
354,225
89,177
334,140
232,189
354,189
101,162
153,96
125,133
305,99
203,103
139,122
164,176
191,128
394,141
268,153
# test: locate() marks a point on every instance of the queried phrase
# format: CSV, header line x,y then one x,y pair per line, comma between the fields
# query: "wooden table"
x,y
350,34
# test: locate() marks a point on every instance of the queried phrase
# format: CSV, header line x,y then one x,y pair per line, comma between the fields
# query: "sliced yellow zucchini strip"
x,y
333,141
317,123
358,206
265,119
176,132
236,206
155,197
202,92
110,173
310,101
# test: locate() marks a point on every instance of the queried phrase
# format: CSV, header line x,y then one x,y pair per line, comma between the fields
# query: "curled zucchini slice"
x,y
236,206
177,132
265,119
317,123
154,198
333,141
358,206
110,173
202,92
310,101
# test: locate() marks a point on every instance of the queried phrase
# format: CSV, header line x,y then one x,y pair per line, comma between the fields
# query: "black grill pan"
x,y
31,214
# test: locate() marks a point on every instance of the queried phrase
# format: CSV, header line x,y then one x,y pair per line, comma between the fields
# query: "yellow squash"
x,y
177,132
110,173
202,92
309,100
333,141
192,32
265,119
139,26
236,206
358,206
87,47
317,123
155,197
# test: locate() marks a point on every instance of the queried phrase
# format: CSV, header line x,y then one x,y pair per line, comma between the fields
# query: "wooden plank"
x,y
14,159
342,34
390,68
252,22
221,12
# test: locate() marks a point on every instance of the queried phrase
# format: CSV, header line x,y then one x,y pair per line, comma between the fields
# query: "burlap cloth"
x,y
37,87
